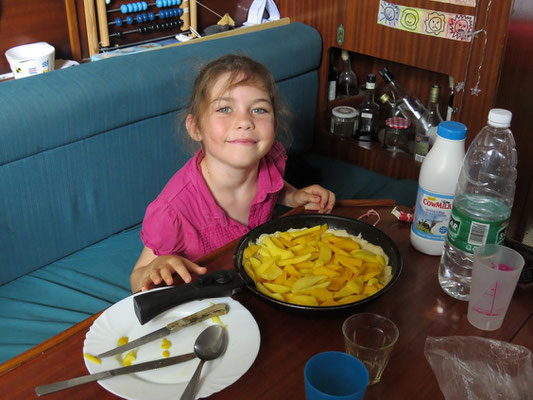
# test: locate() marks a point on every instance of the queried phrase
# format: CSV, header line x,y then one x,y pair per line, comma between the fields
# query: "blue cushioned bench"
x,y
84,150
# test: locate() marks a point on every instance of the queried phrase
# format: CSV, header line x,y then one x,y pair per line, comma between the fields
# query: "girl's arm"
x,y
314,198
152,270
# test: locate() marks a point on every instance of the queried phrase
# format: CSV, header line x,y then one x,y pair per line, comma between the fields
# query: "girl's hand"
x,y
313,198
161,269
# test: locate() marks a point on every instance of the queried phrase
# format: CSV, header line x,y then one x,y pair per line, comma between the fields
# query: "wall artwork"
x,y
427,22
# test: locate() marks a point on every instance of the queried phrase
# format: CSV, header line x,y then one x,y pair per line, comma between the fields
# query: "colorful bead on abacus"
x,y
142,18
170,13
167,3
134,7
129,19
118,21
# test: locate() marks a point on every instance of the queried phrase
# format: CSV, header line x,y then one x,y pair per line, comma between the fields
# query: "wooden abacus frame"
x,y
98,32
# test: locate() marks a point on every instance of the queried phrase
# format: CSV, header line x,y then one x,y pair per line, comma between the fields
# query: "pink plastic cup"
x,y
495,272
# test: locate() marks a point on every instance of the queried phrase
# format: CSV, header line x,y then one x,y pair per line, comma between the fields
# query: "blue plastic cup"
x,y
335,375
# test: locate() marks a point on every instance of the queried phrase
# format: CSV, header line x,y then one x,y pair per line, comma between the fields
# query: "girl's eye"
x,y
259,110
224,110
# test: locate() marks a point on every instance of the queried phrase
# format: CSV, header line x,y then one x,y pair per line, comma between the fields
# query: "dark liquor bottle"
x,y
368,112
333,76
449,110
347,83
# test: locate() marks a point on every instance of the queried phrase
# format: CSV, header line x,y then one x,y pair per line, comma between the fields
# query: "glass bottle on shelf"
x,y
449,110
409,105
388,110
368,112
425,139
333,77
347,84
432,115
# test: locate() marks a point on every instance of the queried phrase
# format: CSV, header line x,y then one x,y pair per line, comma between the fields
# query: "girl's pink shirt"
x,y
185,219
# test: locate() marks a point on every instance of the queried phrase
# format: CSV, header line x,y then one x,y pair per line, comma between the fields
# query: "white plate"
x,y
170,382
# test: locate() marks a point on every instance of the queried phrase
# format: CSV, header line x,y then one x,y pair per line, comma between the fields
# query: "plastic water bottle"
x,y
483,201
436,187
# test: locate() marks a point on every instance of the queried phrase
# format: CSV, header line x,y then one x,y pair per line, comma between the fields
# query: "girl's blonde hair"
x,y
242,70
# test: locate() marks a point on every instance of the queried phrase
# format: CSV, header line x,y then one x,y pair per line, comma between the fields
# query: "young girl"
x,y
231,184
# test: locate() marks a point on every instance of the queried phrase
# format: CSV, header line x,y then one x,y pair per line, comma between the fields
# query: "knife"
x,y
213,284
145,366
202,315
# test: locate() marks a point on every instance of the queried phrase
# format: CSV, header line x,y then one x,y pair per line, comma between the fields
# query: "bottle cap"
x,y
371,78
345,56
398,122
384,98
500,118
452,130
434,94
386,75
345,112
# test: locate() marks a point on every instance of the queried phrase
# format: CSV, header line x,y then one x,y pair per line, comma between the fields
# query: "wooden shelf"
x,y
369,155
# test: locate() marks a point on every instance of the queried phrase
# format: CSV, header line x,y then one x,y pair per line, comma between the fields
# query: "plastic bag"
x,y
475,368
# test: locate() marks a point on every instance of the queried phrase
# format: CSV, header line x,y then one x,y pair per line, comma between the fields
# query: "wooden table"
x,y
415,302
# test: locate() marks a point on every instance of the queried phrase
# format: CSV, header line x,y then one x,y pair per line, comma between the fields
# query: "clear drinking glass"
x,y
371,338
396,134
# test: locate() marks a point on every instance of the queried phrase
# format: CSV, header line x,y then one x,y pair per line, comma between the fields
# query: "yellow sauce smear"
x,y
92,359
123,340
216,319
166,353
129,358
165,344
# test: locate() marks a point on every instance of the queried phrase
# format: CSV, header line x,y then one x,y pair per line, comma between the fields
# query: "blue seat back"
x,y
84,150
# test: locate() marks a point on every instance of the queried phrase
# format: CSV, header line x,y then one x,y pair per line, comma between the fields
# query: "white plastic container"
x,y
31,59
436,188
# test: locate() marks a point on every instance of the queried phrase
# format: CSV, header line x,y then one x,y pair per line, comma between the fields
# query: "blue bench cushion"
x,y
51,299
349,181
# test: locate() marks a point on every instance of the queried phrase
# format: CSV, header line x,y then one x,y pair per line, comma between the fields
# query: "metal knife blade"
x,y
202,315
145,366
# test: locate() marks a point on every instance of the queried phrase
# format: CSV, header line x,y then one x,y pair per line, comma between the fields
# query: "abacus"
x,y
113,24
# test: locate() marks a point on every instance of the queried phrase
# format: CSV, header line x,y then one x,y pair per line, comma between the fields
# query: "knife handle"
x,y
210,312
215,284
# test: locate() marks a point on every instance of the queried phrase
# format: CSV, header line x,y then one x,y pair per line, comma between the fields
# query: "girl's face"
x,y
237,127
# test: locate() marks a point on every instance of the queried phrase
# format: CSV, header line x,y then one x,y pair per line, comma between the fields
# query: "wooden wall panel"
x,y
23,22
237,9
514,93
475,108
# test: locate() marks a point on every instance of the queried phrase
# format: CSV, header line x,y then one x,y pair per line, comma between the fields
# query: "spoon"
x,y
210,344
